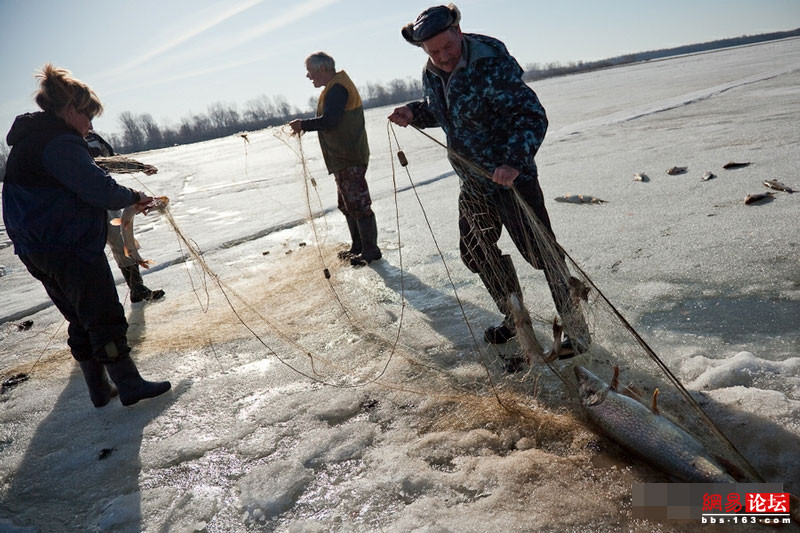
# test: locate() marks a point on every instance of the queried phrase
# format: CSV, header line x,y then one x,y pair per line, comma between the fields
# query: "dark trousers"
x,y
480,223
353,193
84,291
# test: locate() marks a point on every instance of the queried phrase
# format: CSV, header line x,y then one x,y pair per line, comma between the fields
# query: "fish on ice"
x,y
731,164
753,198
579,199
778,186
646,432
674,171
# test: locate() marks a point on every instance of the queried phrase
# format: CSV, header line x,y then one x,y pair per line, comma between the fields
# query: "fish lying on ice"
x,y
645,432
579,199
674,171
753,198
708,176
731,164
640,177
778,186
130,244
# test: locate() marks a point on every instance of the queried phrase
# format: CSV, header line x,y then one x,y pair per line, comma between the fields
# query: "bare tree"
x,y
132,135
153,136
259,109
282,107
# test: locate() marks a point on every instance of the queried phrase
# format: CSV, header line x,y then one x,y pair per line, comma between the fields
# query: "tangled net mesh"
x,y
583,313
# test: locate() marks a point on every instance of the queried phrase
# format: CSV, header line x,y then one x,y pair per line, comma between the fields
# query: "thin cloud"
x,y
199,54
152,81
286,18
204,26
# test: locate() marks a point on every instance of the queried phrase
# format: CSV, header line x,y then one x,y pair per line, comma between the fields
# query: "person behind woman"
x,y
55,200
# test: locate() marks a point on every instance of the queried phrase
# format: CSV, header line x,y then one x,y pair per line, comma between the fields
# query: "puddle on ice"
x,y
734,318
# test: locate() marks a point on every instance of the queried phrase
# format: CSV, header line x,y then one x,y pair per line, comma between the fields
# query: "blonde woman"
x,y
55,200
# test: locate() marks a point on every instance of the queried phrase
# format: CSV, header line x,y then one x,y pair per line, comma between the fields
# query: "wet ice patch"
x,y
337,409
123,513
271,489
183,511
261,442
334,445
185,445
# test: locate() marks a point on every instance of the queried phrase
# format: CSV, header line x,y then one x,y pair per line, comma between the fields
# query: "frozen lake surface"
x,y
331,406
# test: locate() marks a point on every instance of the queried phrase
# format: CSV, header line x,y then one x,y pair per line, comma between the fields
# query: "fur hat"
x,y
430,23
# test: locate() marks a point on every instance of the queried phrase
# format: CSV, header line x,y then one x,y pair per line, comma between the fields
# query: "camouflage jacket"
x,y
490,116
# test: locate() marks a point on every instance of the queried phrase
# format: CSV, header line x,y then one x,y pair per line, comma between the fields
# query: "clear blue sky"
x,y
172,58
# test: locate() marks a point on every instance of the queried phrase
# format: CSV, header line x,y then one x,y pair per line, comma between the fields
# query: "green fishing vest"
x,y
345,145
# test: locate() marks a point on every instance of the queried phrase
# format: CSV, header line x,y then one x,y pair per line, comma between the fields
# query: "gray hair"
x,y
320,61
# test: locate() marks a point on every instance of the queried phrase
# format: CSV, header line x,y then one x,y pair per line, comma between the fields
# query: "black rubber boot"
x,y
100,390
355,236
135,283
499,334
501,281
368,230
122,370
572,347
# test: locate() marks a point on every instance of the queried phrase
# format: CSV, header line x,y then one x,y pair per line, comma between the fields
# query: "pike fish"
x,y
645,432
130,244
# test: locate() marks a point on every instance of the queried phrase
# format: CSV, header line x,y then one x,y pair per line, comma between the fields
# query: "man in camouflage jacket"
x,y
473,90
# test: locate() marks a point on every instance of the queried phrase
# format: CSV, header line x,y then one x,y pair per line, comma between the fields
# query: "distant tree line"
x,y
141,132
538,71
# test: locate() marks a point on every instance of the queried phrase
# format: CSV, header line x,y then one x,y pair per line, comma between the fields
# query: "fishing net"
x,y
579,309
120,164
321,321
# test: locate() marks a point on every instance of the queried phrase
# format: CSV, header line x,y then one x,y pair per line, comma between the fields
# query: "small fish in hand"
x,y
130,244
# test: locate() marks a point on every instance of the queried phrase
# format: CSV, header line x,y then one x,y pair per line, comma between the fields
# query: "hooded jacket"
x,y
54,196
489,114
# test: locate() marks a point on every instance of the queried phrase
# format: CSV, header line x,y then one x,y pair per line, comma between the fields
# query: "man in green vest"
x,y
343,140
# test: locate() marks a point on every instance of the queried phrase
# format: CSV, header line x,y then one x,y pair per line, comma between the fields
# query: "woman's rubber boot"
x,y
130,384
368,229
355,236
100,390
